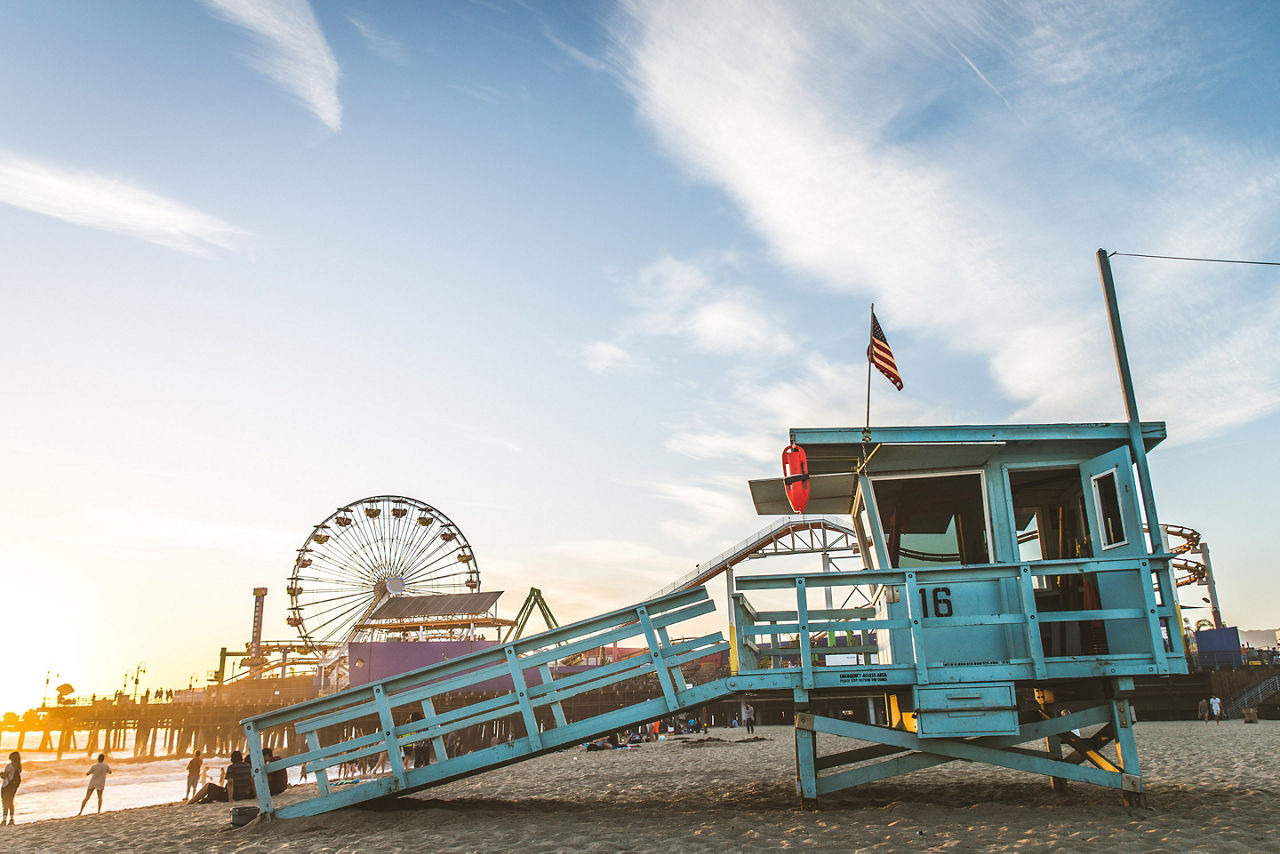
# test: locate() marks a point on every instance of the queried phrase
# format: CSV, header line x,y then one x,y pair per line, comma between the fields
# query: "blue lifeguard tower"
x,y
1013,598
1013,584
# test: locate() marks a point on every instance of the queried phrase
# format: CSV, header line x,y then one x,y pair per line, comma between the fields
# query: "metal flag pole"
x,y
867,431
1137,446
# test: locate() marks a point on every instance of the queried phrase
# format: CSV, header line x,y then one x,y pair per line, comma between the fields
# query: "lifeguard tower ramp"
x,y
520,683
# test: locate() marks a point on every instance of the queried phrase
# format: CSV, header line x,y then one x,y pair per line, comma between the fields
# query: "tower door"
x,y
1115,526
1111,504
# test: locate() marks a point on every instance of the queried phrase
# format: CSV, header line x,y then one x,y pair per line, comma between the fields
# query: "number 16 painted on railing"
x,y
941,601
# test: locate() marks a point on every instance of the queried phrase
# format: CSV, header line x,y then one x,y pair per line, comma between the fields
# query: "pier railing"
x,y
389,722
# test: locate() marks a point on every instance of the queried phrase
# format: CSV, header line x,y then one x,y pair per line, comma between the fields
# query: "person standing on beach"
x,y
749,718
1203,711
97,775
193,775
9,781
1216,705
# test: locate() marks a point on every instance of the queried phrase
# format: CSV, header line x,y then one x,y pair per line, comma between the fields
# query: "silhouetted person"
x,y
9,781
278,780
239,784
97,775
193,775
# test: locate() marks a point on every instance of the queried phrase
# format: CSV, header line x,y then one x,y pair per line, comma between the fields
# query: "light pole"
x,y
137,675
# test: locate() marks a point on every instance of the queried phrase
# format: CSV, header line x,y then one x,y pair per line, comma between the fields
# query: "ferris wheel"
x,y
367,552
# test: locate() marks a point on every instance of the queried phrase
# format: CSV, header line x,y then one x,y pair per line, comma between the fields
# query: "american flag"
x,y
880,354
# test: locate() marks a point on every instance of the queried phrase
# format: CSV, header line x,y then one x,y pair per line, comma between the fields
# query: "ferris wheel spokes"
x,y
368,551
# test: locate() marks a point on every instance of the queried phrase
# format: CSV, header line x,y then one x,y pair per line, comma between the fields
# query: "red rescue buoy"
x,y
795,476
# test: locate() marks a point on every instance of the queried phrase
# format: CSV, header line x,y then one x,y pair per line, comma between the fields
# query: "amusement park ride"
x,y
1004,600
387,567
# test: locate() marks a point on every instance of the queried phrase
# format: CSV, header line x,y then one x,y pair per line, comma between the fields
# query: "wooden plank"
x,y
522,697
395,756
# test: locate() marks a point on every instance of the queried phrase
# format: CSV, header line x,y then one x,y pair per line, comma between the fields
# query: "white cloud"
x,y
297,56
110,204
381,44
706,509
686,301
585,60
680,299
856,143
816,392
718,443
499,442
603,357
480,91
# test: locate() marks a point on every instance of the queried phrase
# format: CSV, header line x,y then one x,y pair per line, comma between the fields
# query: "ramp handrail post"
x,y
557,708
253,743
522,697
655,653
429,712
395,756
312,739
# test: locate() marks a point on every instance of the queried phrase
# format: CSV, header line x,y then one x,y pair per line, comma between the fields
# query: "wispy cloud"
x,y
480,91
499,442
295,53
706,508
110,204
604,357
383,45
770,378
587,61
691,303
845,138
976,70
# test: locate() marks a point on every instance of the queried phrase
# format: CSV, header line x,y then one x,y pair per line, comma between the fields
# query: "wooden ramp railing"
x,y
383,721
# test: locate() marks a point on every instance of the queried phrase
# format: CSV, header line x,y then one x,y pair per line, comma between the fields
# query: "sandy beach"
x,y
1209,787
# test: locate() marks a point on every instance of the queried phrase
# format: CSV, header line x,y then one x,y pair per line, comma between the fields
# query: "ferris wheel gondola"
x,y
366,552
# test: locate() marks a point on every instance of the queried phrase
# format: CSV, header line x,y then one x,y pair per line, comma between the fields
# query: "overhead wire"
x,y
1208,260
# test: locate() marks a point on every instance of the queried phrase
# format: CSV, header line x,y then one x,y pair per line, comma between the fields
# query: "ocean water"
x,y
53,788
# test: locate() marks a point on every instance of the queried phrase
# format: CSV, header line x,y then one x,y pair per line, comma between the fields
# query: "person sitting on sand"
x,y
193,775
97,775
610,743
239,784
277,780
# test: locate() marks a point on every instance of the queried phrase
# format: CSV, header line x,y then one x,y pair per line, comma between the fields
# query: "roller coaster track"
x,y
790,535
1193,570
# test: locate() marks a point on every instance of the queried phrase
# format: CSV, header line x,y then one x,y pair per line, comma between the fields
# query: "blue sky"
x,y
570,271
